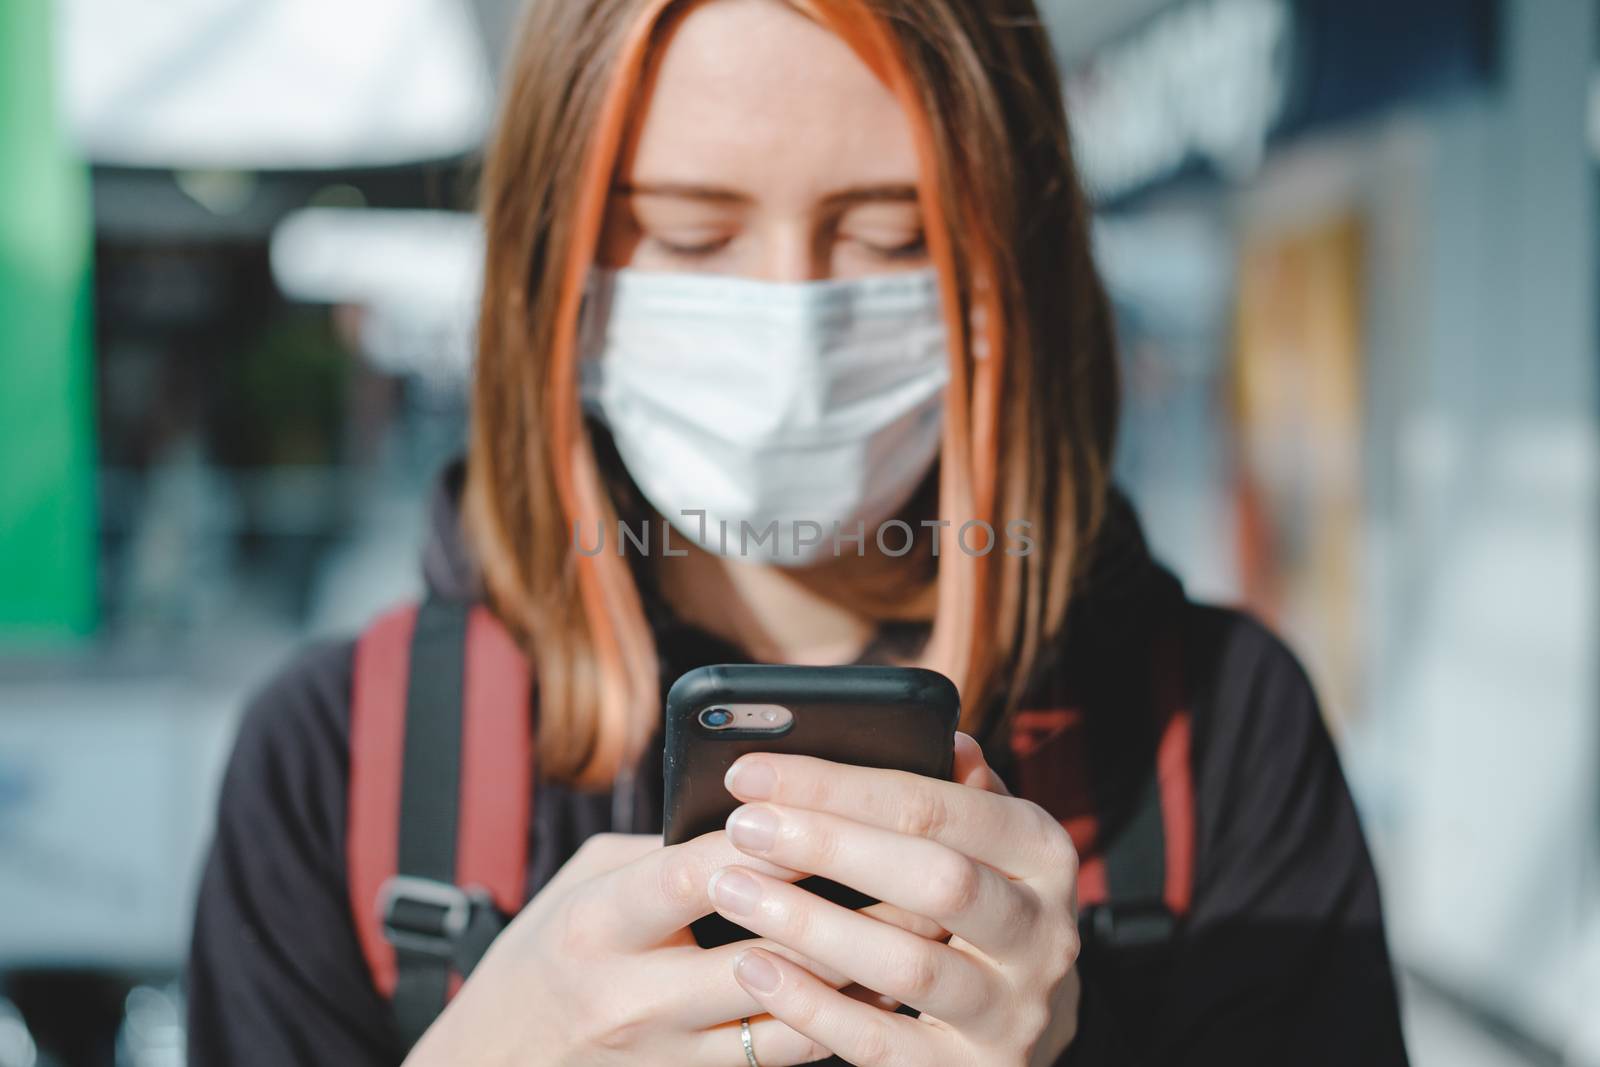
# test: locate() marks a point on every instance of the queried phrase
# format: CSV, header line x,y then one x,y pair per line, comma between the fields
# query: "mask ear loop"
x,y
961,644
628,697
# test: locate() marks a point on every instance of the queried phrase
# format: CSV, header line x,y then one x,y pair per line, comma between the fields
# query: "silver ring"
x,y
744,1036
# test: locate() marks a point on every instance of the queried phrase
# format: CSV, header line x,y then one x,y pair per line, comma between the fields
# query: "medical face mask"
x,y
764,420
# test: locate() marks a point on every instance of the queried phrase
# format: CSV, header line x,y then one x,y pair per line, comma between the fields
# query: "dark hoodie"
x,y
1282,959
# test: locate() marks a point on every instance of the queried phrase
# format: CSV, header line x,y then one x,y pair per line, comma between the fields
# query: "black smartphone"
x,y
900,718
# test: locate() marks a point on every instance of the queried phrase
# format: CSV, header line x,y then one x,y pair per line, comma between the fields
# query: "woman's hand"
x,y
999,873
600,969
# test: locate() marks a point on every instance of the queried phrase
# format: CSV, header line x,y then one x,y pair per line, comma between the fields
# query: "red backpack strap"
x,y
441,764
497,765
1136,870
1149,859
377,744
1175,773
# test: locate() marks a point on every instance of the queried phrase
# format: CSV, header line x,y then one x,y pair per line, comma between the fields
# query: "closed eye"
x,y
915,248
692,249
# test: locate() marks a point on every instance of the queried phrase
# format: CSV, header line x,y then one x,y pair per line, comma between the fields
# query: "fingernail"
x,y
754,829
753,779
734,891
757,973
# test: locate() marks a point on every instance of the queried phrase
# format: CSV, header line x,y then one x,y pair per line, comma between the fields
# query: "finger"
x,y
603,853
857,1032
971,768
869,996
774,1043
827,975
1013,836
920,925
887,913
913,873
698,985
650,900
927,975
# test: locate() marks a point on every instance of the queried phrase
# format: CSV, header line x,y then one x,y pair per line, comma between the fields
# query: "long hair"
x,y
1030,410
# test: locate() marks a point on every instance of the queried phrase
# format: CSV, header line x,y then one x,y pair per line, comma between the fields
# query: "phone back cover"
x,y
900,718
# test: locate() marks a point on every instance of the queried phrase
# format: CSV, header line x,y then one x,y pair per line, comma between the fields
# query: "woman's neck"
x,y
774,615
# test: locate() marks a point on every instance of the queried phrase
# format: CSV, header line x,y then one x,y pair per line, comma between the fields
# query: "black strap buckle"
x,y
423,916
1131,925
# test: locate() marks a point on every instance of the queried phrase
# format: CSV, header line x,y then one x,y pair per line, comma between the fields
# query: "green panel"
x,y
47,454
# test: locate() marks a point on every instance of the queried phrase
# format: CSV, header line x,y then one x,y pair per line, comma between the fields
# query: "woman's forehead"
x,y
757,97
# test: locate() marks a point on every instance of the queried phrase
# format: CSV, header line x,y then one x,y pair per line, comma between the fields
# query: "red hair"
x,y
596,659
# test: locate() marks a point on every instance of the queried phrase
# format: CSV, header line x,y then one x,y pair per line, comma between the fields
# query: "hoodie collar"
x,y
447,568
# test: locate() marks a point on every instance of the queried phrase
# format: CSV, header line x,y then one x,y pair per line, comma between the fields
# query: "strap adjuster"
x,y
1130,925
423,916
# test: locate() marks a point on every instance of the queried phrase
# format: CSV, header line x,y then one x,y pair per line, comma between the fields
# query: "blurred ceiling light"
x,y
416,275
272,84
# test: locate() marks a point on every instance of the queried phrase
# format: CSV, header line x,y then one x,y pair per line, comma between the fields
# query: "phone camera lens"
x,y
716,718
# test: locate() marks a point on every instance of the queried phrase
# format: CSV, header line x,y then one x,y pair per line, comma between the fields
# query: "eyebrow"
x,y
717,194
869,194
682,191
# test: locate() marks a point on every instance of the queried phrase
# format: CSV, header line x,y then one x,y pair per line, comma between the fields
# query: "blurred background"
x,y
1352,245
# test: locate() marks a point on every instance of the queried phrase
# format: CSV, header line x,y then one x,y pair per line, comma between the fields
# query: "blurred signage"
x,y
1205,81
1209,84
47,487
1298,414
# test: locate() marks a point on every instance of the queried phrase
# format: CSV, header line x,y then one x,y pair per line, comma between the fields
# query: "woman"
x,y
820,266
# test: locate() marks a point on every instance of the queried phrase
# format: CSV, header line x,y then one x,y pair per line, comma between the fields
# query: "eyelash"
x,y
699,251
912,249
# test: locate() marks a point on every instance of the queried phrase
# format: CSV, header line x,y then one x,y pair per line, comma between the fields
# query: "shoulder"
x,y
290,759
274,964
1286,920
1254,705
309,690
1275,818
305,703
1236,644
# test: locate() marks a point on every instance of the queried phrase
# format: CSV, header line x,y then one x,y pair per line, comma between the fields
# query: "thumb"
x,y
972,769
